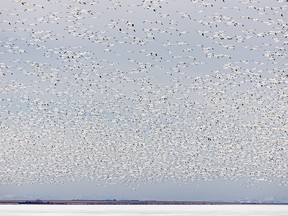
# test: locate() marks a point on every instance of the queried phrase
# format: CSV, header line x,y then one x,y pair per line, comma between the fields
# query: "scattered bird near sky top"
x,y
144,92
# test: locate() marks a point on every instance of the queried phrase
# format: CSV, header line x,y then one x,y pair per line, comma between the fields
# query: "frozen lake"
x,y
126,210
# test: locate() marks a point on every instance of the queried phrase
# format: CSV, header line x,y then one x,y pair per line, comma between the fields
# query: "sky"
x,y
162,100
219,190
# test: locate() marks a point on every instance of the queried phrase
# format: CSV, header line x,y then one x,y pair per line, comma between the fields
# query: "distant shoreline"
x,y
127,202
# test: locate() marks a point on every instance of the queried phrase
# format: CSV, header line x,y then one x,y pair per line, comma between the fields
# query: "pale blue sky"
x,y
143,94
198,191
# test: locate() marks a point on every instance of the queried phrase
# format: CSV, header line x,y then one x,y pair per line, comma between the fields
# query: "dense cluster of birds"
x,y
127,91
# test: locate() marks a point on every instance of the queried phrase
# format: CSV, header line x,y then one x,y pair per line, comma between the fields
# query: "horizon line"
x,y
133,202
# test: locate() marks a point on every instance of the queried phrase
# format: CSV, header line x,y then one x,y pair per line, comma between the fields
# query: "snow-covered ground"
x,y
197,210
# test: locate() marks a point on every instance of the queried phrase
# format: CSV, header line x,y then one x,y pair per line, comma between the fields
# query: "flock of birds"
x,y
129,91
